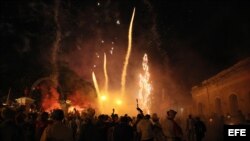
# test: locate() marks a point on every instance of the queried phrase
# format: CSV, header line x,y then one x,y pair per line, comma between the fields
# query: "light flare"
x,y
118,22
118,102
124,71
103,98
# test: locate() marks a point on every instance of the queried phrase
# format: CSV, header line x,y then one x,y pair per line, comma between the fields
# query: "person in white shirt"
x,y
171,129
145,129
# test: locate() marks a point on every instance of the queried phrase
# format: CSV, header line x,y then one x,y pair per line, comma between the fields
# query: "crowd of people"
x,y
20,125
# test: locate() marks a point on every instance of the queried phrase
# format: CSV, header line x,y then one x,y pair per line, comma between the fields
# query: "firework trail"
x,y
105,73
56,44
96,84
124,71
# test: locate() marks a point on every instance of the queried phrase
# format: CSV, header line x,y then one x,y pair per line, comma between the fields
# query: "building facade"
x,y
226,93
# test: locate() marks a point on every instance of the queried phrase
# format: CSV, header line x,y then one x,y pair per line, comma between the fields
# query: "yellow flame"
x,y
96,84
105,73
124,71
145,86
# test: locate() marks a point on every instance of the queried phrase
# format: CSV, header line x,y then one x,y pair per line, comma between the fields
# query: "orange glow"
x,y
50,100
74,109
79,99
110,101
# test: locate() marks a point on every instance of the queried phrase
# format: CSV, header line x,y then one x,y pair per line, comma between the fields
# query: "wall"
x,y
226,92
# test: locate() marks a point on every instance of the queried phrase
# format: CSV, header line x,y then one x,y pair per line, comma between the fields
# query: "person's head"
x,y
115,117
57,115
124,119
190,116
139,116
7,113
20,117
171,114
147,116
102,117
155,117
91,112
198,118
44,116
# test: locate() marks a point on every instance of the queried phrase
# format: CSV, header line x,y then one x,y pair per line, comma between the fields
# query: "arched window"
x,y
218,108
233,101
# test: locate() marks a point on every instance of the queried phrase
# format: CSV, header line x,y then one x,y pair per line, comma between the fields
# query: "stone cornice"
x,y
224,74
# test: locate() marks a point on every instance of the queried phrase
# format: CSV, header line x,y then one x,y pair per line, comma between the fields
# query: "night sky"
x,y
205,37
194,40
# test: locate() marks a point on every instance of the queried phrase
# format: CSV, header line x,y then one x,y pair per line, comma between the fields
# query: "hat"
x,y
171,112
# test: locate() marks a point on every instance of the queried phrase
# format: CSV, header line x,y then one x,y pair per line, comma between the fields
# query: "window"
x,y
233,102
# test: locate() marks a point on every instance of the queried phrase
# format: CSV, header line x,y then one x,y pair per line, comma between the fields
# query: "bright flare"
x,y
118,102
124,71
145,87
103,98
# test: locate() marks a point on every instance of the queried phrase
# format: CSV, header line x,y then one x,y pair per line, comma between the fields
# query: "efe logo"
x,y
236,132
